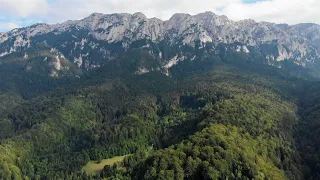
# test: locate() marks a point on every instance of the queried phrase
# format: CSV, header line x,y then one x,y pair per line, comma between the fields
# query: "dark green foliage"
x,y
308,133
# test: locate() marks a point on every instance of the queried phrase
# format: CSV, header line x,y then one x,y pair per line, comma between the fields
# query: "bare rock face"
x,y
299,42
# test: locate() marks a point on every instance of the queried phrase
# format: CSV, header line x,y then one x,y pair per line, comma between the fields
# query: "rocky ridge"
x,y
300,43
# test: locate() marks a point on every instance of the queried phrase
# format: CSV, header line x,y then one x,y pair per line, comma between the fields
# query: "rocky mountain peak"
x,y
140,15
179,16
276,42
208,13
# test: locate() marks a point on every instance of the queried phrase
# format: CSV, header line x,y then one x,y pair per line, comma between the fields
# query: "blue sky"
x,y
20,13
251,1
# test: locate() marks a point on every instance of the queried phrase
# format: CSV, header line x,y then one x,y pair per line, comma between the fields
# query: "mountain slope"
x,y
92,41
52,136
193,97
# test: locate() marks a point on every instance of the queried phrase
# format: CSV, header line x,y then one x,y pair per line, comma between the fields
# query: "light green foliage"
x,y
95,167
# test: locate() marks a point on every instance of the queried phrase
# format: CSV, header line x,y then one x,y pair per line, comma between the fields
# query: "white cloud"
x,y
23,8
279,11
53,11
12,25
8,25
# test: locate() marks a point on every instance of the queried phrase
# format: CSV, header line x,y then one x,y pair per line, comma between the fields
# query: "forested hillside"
x,y
167,111
215,118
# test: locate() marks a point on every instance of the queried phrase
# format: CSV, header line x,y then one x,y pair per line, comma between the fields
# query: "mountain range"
x,y
123,96
90,42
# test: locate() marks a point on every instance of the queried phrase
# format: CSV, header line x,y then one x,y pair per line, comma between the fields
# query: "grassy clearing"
x,y
93,167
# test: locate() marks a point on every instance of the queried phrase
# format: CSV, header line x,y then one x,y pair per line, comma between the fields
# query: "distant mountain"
x,y
91,42
122,96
